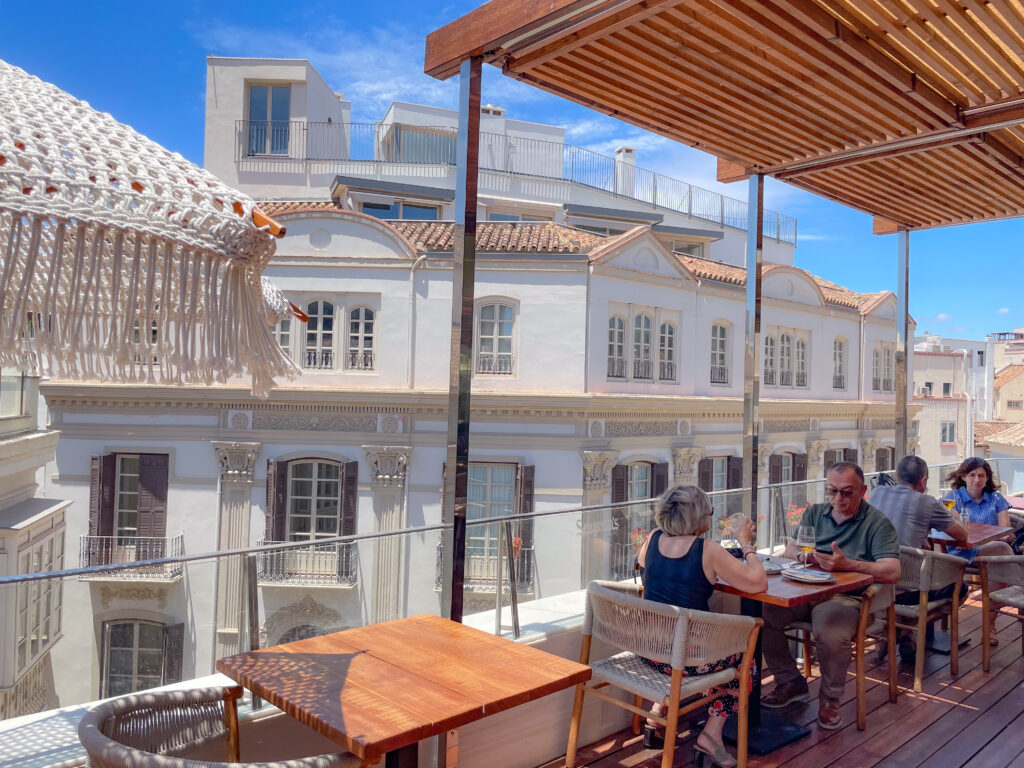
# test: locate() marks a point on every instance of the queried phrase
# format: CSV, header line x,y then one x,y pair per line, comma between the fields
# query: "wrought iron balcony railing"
x,y
769,376
494,364
319,359
666,371
270,145
785,378
642,369
360,360
332,563
838,381
719,374
114,550
801,378
616,368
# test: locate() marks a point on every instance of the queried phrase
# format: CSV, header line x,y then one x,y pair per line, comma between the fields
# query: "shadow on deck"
x,y
975,721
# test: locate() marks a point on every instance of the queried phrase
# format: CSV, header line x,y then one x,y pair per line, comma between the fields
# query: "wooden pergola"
x,y
908,110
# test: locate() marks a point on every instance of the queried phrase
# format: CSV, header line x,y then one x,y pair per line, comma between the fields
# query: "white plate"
x,y
810,577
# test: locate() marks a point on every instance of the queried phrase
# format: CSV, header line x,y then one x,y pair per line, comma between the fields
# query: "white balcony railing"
x,y
115,550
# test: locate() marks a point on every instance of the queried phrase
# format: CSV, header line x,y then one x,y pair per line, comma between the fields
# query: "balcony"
x,y
666,371
785,378
360,361
616,368
117,550
719,374
887,385
330,564
491,364
769,376
643,369
838,381
318,359
801,378
342,148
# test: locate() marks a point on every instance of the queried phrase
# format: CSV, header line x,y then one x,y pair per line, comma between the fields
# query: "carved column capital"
x,y
764,452
237,460
816,451
684,465
868,446
597,467
388,464
913,444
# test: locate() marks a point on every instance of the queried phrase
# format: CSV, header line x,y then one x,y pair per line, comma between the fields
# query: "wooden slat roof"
x,y
909,110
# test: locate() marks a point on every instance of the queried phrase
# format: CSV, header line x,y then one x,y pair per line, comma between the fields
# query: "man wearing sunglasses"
x,y
851,535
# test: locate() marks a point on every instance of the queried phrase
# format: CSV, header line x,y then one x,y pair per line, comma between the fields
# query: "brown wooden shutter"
x,y
620,483
882,462
524,504
174,650
734,472
349,497
277,500
799,466
107,495
850,454
659,479
704,472
774,469
831,457
152,514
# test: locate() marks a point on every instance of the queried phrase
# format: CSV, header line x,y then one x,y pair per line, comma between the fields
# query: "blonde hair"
x,y
683,510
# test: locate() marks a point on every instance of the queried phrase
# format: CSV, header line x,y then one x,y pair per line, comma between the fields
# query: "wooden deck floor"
x,y
975,721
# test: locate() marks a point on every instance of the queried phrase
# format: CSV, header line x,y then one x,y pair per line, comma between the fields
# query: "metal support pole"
x,y
902,329
461,360
253,603
752,341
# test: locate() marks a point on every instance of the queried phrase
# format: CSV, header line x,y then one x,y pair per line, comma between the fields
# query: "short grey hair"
x,y
683,510
911,470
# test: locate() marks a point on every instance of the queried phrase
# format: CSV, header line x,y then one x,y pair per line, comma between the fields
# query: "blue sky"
x,y
145,63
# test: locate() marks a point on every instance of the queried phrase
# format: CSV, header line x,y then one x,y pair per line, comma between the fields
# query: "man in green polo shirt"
x,y
851,535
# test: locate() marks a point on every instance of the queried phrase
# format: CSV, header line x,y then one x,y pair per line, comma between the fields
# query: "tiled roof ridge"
x,y
1007,374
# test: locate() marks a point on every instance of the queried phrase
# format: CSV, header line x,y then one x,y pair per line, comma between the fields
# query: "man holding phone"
x,y
851,535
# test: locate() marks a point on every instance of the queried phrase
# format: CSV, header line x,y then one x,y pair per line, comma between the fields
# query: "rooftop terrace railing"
x,y
348,147
98,637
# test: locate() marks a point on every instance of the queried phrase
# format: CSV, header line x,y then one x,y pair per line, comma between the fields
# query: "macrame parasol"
x,y
122,261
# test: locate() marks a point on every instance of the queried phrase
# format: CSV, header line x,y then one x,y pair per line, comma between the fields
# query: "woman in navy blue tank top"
x,y
681,568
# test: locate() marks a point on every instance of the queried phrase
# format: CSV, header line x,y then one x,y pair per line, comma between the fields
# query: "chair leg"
x,y
986,630
861,681
574,727
742,726
672,720
234,752
807,652
890,619
637,702
922,633
954,632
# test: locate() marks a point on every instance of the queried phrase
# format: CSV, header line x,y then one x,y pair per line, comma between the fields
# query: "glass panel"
x,y
258,102
424,212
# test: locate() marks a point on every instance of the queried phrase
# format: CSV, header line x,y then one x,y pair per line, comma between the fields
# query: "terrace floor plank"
x,y
973,721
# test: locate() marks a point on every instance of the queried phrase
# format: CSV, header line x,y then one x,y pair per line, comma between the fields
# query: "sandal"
x,y
651,738
718,755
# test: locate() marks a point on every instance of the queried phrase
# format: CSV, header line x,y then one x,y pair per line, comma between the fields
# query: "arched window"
x,y
786,360
839,364
719,354
801,363
667,352
642,368
494,339
769,360
319,353
616,348
360,339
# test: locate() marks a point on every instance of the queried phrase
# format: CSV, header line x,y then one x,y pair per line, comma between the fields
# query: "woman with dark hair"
x,y
975,494
681,568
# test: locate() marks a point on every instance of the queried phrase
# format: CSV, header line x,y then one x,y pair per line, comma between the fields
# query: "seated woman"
x,y
681,569
976,496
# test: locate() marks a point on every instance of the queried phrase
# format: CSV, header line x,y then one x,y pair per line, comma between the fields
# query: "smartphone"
x,y
824,550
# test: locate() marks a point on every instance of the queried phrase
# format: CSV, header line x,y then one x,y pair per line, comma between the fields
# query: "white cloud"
x,y
1003,311
814,236
942,317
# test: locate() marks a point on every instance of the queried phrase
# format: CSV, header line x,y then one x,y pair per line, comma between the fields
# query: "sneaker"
x,y
829,716
785,694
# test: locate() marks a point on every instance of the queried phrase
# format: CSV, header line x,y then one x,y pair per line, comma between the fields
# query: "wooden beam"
x,y
729,171
880,226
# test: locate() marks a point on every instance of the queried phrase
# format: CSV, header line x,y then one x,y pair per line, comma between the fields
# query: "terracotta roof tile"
x,y
986,429
1013,435
274,208
1006,375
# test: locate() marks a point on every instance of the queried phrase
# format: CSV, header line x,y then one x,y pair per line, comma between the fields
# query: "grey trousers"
x,y
833,628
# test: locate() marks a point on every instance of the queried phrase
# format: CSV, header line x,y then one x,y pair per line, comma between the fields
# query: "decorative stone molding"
x,y
684,464
596,428
388,464
787,425
884,423
597,468
239,419
764,452
306,611
390,424
685,427
109,593
816,451
868,446
314,422
913,444
640,428
237,460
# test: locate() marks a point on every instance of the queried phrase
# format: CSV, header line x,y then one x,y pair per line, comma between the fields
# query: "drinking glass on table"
x,y
805,540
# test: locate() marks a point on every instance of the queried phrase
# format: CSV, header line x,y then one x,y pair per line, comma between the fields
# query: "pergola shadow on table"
x,y
909,111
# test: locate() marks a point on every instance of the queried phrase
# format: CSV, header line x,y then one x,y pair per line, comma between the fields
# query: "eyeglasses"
x,y
846,493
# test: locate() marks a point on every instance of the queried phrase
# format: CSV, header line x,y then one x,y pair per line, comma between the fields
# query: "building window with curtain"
x,y
360,339
642,367
785,360
616,348
769,360
319,350
719,354
495,339
667,352
839,364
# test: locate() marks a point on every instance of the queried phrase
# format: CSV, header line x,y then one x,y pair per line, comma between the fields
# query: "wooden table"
x,y
768,732
977,534
382,688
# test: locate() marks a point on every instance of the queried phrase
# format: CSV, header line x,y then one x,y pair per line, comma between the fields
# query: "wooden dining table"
x,y
378,690
977,534
767,732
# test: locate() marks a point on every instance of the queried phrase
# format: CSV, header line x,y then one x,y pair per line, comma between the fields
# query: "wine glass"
x,y
805,540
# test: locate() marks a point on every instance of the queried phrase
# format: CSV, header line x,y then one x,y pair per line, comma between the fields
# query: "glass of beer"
x,y
805,539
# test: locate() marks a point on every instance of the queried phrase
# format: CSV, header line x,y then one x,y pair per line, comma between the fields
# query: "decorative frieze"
x,y
684,464
109,593
237,460
315,422
786,425
307,611
388,464
597,469
640,428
